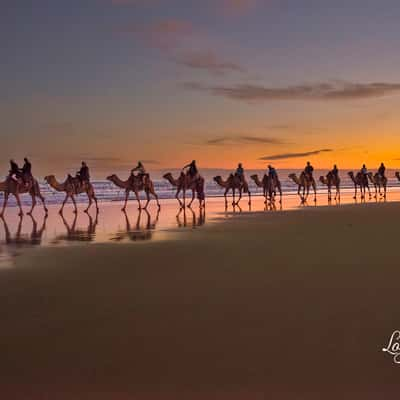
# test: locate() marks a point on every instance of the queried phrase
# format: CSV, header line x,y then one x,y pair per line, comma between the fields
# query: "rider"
x,y
83,173
335,171
240,172
364,171
308,170
382,170
15,171
26,171
272,172
193,171
141,171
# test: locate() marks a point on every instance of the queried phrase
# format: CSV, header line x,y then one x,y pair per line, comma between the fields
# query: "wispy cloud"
x,y
319,91
164,34
243,139
207,61
237,6
284,156
226,6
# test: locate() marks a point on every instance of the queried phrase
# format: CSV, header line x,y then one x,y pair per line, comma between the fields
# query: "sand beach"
x,y
286,305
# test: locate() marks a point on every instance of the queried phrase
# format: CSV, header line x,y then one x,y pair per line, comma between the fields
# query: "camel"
x,y
136,185
183,183
331,181
379,182
72,188
359,181
304,182
233,183
11,186
269,188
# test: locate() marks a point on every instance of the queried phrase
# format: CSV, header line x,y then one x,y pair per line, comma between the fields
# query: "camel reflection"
x,y
271,206
196,221
140,232
74,234
21,239
335,202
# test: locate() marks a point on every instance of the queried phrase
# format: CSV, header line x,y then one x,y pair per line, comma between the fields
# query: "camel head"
x,y
256,180
217,179
351,174
168,175
322,179
49,178
292,176
111,178
397,175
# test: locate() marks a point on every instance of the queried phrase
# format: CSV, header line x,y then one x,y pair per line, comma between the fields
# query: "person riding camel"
x,y
382,170
142,174
364,171
15,171
308,170
27,171
272,172
192,172
240,172
335,172
83,174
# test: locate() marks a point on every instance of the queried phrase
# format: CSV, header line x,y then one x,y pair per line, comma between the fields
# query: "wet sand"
x,y
288,305
111,225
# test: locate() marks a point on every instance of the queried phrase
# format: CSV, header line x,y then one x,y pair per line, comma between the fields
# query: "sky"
x,y
220,81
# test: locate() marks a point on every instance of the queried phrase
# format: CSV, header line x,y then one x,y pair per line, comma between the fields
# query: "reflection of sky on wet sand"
x,y
114,226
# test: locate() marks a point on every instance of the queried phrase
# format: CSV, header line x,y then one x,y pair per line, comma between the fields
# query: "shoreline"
x,y
292,304
113,226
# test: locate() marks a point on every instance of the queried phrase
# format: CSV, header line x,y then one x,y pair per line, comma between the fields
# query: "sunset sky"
x,y
220,81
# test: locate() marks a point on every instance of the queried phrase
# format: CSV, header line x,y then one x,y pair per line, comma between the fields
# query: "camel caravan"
x,y
20,181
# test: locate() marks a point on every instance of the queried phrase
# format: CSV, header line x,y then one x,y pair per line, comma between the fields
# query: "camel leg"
x,y
43,202
63,204
89,195
95,202
240,196
148,199
226,199
156,197
126,200
177,197
315,192
4,203
184,197
193,196
21,213
33,204
369,191
249,197
74,202
138,200
233,196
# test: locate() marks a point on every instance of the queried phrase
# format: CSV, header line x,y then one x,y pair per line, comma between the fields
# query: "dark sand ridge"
x,y
295,305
